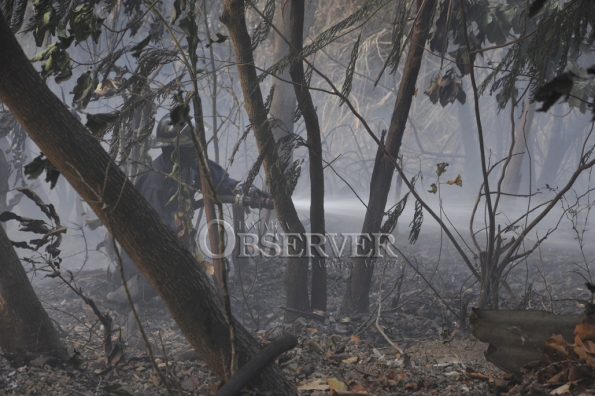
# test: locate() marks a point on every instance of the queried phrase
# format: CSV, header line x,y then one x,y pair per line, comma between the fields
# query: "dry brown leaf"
x,y
558,343
589,346
355,339
209,268
584,331
318,384
359,389
584,355
478,376
351,360
347,393
561,390
578,373
457,181
335,384
411,386
556,378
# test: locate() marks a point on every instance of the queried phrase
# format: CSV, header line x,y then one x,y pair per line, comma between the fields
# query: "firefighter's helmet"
x,y
168,135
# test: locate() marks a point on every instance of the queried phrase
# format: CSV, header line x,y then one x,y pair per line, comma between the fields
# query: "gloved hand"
x,y
255,194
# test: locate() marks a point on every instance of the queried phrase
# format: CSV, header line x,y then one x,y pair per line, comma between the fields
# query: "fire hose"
x,y
241,200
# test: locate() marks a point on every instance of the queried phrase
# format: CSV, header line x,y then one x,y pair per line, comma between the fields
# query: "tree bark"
x,y
356,298
296,274
4,175
302,93
167,265
283,103
472,176
25,327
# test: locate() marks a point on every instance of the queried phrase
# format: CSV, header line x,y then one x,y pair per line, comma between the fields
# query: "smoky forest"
x,y
297,197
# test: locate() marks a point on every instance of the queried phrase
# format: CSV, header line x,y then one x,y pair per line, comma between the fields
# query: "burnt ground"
x,y
440,356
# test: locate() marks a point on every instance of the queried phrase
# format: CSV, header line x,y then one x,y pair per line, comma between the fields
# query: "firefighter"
x,y
158,188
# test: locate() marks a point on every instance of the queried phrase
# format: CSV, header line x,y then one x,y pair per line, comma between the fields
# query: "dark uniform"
x,y
158,189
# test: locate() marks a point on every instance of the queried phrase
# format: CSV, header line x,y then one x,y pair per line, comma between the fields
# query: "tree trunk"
x,y
296,274
514,171
283,103
4,175
559,142
25,326
356,298
472,176
302,94
167,265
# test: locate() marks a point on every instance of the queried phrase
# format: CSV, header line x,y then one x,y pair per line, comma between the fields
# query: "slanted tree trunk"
x,y
4,175
168,266
25,327
296,274
356,298
302,94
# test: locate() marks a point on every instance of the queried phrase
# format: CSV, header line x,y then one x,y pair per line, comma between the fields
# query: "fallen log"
x,y
518,337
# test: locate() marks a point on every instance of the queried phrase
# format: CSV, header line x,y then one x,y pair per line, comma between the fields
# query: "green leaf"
x,y
221,38
85,22
536,7
98,123
34,168
43,55
180,113
138,48
84,88
38,165
179,7
550,92
188,26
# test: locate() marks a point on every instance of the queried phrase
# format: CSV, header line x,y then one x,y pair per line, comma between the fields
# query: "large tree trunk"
x,y
4,175
171,269
302,94
296,274
25,326
358,288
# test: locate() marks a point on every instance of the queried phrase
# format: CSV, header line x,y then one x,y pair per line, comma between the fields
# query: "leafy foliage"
x,y
52,234
446,89
326,37
98,123
263,28
350,69
38,165
57,60
557,36
393,216
418,218
85,22
400,22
